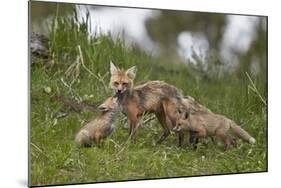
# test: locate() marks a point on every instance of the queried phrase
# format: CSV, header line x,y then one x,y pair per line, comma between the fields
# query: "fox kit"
x,y
100,127
186,103
208,123
146,98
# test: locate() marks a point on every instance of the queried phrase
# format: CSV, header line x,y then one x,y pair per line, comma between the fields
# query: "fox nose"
x,y
118,91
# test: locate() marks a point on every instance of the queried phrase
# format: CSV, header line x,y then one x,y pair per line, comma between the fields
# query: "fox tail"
x,y
241,133
83,138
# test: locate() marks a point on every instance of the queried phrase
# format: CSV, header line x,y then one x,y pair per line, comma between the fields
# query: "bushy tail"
x,y
83,138
241,133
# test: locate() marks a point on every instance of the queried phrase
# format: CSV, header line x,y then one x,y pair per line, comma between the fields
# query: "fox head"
x,y
181,122
122,80
109,104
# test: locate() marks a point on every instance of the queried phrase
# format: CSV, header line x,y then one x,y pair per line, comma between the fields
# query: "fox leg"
x,y
133,121
181,139
195,135
227,143
133,116
97,139
133,129
163,122
193,139
168,109
131,126
223,136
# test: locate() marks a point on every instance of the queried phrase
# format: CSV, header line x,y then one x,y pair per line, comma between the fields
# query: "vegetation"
x,y
78,67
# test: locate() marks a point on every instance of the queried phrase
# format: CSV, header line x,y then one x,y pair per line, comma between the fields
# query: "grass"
x,y
79,68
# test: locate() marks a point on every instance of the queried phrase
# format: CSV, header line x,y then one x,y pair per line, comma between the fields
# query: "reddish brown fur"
x,y
100,127
150,97
207,123
173,106
145,100
121,80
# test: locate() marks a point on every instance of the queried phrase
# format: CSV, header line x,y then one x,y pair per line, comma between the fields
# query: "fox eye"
x,y
124,84
115,83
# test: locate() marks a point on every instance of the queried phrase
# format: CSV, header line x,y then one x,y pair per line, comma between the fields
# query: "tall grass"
x,y
79,68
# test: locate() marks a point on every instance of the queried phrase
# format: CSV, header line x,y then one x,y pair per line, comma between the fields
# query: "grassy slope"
x,y
55,159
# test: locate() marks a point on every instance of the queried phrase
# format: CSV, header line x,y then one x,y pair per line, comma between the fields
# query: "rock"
x,y
39,45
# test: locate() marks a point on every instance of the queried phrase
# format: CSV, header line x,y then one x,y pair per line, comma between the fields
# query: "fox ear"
x,y
131,72
186,115
113,68
103,108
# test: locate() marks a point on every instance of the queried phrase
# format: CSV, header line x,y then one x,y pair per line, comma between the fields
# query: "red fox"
x,y
205,123
150,97
101,127
176,106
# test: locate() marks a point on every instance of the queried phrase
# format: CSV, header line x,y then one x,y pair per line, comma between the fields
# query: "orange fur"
x,y
135,101
207,123
101,127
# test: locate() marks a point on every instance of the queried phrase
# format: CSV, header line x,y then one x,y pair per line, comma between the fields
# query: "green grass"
x,y
79,68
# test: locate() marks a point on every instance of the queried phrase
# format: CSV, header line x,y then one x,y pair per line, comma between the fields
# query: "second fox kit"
x,y
100,127
186,103
205,123
196,118
146,98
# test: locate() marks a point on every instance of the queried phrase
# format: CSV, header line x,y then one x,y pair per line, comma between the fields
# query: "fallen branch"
x,y
75,105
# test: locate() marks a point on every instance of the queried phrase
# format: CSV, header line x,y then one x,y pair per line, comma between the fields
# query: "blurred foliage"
x,y
165,28
41,14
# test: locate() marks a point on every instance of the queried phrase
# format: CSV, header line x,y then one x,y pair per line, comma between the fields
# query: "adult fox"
x,y
151,97
205,122
100,127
